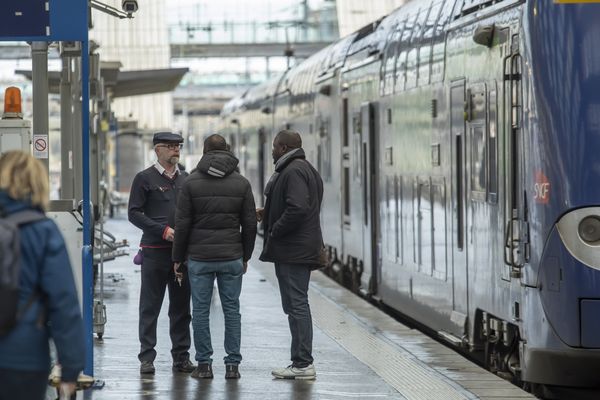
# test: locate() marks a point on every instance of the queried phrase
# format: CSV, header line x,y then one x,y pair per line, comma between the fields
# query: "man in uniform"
x,y
152,203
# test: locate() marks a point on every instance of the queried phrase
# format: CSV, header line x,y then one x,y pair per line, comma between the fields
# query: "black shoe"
x,y
147,367
203,371
232,372
184,366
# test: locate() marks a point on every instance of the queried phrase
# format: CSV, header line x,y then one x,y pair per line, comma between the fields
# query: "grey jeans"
x,y
293,286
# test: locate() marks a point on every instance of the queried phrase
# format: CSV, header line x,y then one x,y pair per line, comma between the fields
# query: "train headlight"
x,y
579,231
589,229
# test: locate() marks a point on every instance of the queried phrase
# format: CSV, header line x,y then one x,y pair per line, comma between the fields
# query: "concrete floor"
x,y
360,353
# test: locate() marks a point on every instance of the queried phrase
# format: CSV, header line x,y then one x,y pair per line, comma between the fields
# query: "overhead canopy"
x,y
126,83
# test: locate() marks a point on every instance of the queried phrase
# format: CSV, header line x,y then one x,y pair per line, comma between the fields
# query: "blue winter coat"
x,y
44,264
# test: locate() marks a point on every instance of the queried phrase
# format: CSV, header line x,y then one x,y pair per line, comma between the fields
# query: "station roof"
x,y
126,83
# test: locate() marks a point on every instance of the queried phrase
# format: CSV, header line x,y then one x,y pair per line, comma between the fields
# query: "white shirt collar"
x,y
162,170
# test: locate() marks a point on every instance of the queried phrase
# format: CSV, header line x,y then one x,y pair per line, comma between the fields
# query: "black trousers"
x,y
23,385
293,285
157,275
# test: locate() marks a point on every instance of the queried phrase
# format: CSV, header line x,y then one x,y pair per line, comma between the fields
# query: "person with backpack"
x,y
38,296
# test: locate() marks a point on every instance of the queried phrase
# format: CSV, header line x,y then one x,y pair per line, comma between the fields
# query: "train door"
x,y
370,166
460,286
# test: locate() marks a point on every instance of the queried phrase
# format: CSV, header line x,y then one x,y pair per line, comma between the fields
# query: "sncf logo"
x,y
541,188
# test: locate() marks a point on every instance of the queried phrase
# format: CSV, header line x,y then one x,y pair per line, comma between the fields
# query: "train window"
x,y
432,18
492,148
412,58
411,69
402,51
324,150
424,63
478,161
439,44
426,44
398,227
387,80
357,138
400,71
477,116
346,196
345,133
390,250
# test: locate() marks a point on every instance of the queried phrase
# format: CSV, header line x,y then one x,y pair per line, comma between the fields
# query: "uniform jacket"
x,y
44,265
292,213
216,215
152,203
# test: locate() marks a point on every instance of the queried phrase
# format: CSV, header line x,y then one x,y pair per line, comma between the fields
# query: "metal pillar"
x,y
66,131
39,74
78,155
83,135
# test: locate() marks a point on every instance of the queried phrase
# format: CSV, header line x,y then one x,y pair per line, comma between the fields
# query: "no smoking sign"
x,y
40,146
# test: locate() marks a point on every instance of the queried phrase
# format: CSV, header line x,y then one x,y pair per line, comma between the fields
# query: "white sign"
x,y
40,146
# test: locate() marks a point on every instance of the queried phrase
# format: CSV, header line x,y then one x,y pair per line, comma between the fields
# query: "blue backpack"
x,y
10,267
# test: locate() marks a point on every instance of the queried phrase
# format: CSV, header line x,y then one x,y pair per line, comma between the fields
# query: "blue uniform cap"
x,y
166,137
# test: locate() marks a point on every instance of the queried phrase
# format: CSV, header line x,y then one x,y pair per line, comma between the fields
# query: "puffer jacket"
x,y
216,216
44,265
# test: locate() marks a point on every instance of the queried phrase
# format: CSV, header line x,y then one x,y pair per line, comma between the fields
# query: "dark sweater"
x,y
216,215
152,203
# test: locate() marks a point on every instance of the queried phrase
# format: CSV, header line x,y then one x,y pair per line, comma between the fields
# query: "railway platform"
x,y
360,352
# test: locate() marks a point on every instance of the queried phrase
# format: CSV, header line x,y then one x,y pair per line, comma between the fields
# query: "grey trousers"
x,y
293,286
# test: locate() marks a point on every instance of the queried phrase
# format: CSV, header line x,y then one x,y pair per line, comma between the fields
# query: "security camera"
x,y
129,6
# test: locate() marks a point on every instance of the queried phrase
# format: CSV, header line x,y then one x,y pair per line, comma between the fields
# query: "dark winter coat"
x,y
44,265
152,203
214,203
292,214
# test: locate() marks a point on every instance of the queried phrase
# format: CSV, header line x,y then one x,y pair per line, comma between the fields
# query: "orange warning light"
x,y
12,103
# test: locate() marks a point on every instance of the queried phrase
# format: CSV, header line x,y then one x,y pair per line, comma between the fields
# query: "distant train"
x,y
459,144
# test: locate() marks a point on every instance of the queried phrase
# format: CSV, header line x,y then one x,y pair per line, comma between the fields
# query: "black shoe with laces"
x,y
203,371
147,367
183,366
232,371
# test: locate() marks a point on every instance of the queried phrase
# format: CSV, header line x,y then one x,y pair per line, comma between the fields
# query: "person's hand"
x,y
66,389
178,275
260,213
170,235
245,266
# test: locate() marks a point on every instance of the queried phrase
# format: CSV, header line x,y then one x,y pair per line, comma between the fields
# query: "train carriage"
x,y
458,143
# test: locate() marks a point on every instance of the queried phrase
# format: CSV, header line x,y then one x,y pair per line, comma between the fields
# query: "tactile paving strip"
x,y
413,379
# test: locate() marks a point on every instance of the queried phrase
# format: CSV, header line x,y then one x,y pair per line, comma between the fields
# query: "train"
x,y
458,142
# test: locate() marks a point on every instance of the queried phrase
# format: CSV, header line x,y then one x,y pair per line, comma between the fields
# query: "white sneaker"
x,y
291,372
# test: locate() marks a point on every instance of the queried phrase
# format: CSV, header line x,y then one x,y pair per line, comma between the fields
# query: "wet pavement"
x,y
360,353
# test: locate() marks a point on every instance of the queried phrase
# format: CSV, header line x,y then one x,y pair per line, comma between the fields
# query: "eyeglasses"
x,y
171,146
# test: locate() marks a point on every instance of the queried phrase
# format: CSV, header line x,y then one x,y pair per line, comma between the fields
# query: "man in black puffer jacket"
x,y
214,202
293,241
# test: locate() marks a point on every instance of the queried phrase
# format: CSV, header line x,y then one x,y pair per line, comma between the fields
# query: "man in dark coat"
x,y
293,241
152,203
215,229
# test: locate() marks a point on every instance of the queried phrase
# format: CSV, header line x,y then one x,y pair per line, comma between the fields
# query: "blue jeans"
x,y
202,275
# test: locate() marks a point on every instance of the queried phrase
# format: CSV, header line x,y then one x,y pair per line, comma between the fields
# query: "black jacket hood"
x,y
218,163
